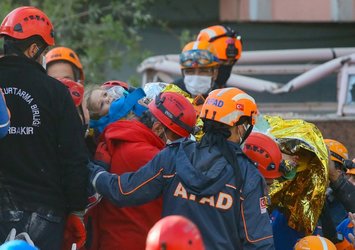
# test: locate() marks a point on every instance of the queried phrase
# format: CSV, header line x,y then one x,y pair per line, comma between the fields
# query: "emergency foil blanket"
x,y
302,198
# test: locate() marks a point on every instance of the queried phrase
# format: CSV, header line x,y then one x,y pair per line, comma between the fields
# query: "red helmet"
x,y
174,232
24,22
112,83
175,112
266,153
76,90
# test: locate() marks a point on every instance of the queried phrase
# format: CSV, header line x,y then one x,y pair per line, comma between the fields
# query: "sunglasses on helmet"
x,y
193,58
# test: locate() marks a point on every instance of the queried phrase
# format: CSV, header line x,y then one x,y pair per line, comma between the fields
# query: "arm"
x,y
4,116
256,229
344,191
72,154
130,188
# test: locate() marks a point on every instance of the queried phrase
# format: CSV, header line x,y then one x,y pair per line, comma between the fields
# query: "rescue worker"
x,y
343,189
199,68
333,212
211,182
266,155
174,232
43,174
4,116
122,142
228,45
268,158
63,62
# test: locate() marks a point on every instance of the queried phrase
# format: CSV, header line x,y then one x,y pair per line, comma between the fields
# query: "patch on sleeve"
x,y
263,204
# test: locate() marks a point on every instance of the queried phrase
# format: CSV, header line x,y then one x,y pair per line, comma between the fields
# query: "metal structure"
x,y
311,65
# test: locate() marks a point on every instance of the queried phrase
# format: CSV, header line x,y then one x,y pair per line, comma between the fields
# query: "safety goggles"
x,y
194,58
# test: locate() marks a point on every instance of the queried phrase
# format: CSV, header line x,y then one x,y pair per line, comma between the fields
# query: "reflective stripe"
x,y
4,125
243,96
195,45
211,33
231,117
324,243
222,91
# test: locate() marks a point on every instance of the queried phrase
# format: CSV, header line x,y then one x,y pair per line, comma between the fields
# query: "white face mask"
x,y
197,85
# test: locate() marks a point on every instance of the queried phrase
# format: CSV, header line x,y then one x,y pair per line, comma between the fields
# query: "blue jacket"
x,y
200,185
4,118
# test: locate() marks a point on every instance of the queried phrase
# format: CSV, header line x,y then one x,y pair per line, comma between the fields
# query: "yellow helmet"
x,y
198,54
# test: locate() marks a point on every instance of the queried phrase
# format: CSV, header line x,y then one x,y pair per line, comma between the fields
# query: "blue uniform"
x,y
4,118
207,196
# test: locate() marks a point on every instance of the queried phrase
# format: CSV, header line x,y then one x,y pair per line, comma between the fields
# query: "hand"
x,y
352,236
74,231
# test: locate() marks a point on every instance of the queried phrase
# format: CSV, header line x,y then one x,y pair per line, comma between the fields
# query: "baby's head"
x,y
98,102
99,99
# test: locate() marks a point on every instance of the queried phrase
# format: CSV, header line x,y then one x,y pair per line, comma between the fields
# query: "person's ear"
x,y
158,128
31,50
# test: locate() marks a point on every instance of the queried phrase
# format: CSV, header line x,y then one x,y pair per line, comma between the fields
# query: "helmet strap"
x,y
39,52
246,134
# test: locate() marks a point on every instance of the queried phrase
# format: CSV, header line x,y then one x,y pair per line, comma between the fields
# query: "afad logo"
x,y
215,102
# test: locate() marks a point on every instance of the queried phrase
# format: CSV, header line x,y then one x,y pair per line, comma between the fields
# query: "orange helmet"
x,y
314,243
263,150
338,151
76,90
174,232
175,112
227,43
27,21
228,106
198,54
65,54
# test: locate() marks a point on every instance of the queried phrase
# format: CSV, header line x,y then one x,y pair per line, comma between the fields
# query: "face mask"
x,y
197,85
224,72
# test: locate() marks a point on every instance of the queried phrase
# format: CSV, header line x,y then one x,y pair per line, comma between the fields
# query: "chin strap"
x,y
246,134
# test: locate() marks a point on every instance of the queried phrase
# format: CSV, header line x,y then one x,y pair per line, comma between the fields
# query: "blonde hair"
x,y
87,95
